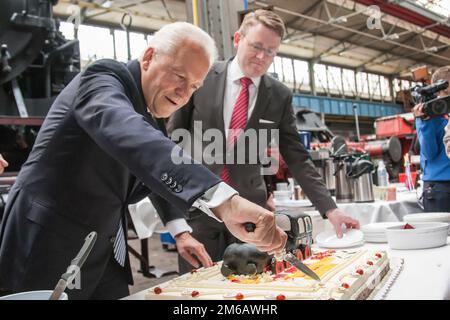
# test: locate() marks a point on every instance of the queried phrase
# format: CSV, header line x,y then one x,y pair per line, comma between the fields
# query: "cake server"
x,y
75,266
288,257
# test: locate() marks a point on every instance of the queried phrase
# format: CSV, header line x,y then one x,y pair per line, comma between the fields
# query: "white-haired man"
x,y
100,149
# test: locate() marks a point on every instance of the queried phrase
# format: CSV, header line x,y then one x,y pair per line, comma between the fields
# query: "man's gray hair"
x,y
170,37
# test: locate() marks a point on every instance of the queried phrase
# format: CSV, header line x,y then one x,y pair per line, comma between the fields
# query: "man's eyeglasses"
x,y
258,48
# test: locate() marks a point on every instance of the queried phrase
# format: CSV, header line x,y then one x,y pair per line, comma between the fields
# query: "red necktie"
x,y
238,122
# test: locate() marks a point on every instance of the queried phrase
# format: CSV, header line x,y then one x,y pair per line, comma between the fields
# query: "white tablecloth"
x,y
425,274
383,211
370,212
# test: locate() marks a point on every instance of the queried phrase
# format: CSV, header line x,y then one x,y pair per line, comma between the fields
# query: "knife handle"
x,y
250,226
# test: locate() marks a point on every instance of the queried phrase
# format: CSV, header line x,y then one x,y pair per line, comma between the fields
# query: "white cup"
x,y
282,186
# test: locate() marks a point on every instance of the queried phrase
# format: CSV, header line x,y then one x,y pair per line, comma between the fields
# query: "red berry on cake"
x,y
281,297
157,290
345,285
370,263
307,252
195,294
239,296
378,255
360,272
298,254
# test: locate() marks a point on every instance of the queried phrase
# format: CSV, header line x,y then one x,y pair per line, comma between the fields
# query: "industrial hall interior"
x,y
224,150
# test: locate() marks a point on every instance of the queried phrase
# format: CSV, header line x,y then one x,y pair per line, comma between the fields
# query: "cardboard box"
x,y
385,193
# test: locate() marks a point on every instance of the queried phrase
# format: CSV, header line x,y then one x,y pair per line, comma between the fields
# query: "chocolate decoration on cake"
x,y
244,259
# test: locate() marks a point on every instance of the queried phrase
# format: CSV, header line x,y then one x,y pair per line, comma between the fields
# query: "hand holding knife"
x,y
288,257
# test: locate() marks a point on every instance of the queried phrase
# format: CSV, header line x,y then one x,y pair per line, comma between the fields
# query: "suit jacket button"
x,y
112,239
173,185
169,181
178,188
164,176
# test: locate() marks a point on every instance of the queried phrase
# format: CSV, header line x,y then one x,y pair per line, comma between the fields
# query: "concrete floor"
x,y
161,259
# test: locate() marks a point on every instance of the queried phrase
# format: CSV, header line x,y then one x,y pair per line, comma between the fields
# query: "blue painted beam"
x,y
344,107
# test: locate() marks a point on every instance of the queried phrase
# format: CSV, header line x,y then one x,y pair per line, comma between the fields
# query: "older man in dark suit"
x,y
237,95
100,148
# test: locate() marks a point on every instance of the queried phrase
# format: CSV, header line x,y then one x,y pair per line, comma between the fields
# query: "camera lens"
x,y
439,107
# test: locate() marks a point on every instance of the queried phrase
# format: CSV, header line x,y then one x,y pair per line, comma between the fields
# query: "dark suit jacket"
x,y
273,104
97,151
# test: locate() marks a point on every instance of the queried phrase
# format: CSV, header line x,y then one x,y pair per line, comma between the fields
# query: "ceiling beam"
x,y
368,35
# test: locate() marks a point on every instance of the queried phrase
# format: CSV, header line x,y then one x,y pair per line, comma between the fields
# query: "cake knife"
x,y
288,257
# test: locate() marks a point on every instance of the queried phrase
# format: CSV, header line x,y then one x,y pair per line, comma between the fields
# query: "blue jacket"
x,y
433,159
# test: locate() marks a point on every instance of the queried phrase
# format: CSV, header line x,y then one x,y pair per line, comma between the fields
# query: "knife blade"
x,y
289,257
75,266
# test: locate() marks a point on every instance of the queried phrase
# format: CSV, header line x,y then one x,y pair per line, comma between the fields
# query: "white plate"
x,y
293,203
428,217
350,238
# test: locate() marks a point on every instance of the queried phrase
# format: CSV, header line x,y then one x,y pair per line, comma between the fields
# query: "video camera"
x,y
432,105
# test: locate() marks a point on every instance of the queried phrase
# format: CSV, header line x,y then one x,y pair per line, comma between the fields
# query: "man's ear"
x,y
237,38
147,57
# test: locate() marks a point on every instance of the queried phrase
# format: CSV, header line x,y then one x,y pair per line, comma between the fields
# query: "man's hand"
x,y
418,111
270,203
188,247
236,211
337,217
3,164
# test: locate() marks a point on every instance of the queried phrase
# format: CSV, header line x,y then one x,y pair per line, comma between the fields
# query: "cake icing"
x,y
346,274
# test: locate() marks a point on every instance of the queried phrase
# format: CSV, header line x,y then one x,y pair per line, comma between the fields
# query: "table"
x,y
425,274
364,212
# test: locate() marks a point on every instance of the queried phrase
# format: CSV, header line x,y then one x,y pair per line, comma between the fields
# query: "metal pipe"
x,y
195,12
355,110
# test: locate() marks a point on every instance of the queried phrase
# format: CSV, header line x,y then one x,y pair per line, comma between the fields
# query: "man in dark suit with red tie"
x,y
238,96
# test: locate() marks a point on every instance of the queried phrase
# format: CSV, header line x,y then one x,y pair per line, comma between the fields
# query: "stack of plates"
x,y
376,232
428,217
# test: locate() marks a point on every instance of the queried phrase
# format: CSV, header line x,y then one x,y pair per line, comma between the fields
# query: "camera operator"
x,y
433,157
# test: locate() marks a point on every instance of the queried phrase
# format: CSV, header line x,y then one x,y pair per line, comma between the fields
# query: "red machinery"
x,y
393,139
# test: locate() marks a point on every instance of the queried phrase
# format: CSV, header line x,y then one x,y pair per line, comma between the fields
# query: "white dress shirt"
x,y
233,88
212,198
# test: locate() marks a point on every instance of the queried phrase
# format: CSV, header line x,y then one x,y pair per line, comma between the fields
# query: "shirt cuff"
x,y
178,226
213,198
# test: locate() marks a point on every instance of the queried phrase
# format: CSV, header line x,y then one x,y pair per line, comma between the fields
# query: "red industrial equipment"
x,y
392,140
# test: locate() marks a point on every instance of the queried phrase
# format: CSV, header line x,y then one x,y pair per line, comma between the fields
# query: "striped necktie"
x,y
120,245
237,123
